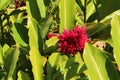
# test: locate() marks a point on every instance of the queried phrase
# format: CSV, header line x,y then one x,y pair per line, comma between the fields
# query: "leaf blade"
x,y
10,62
42,8
115,31
22,76
99,64
67,11
4,3
35,37
1,55
37,63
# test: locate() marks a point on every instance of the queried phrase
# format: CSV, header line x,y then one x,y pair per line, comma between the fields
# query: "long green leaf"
x,y
90,9
46,26
67,14
56,66
36,9
1,55
22,76
51,65
10,62
37,63
35,37
98,64
19,31
115,31
33,10
36,47
4,3
20,34
42,8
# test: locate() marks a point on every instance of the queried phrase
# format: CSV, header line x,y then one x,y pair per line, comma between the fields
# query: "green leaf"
x,y
51,65
33,10
5,48
98,30
115,32
109,41
10,62
72,71
107,19
35,37
106,7
20,34
99,64
78,58
79,19
42,8
23,31
22,76
56,65
51,45
67,14
36,47
46,26
36,9
52,41
1,55
90,9
4,3
37,63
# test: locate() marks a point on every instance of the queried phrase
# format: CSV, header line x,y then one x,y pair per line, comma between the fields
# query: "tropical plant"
x,y
59,39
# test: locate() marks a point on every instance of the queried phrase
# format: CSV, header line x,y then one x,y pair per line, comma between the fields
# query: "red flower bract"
x,y
72,41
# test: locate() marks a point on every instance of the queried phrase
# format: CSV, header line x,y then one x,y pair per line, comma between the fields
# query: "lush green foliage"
x,y
26,53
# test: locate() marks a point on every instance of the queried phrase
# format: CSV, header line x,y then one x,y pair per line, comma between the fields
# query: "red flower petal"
x,y
73,41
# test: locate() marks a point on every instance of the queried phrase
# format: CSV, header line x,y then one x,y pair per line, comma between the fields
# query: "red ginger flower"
x,y
72,41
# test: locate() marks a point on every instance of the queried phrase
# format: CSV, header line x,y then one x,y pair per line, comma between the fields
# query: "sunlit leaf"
x,y
35,37
1,55
99,64
10,62
78,58
20,34
115,32
33,10
52,41
42,8
52,64
22,76
56,65
90,9
36,47
37,63
67,14
36,9
4,3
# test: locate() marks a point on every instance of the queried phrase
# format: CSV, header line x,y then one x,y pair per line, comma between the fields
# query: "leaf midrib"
x,y
97,69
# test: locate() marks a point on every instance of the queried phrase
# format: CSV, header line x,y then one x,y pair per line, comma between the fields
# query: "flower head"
x,y
72,41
